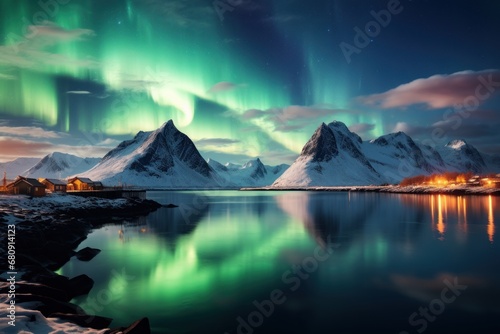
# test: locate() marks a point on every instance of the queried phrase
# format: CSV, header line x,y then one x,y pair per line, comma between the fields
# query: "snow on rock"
x,y
331,157
60,165
30,321
162,158
461,156
397,156
334,156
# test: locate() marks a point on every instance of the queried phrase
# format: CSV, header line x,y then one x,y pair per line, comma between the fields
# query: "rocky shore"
x,y
47,230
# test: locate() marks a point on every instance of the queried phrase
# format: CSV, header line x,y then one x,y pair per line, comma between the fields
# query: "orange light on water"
x,y
440,224
491,223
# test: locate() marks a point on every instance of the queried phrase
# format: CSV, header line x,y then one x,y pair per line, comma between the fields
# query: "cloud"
x,y
31,51
361,127
30,131
293,113
223,86
12,147
254,113
216,142
57,33
293,118
438,91
79,92
289,128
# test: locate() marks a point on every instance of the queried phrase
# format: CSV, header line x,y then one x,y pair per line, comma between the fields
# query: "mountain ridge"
x,y
335,156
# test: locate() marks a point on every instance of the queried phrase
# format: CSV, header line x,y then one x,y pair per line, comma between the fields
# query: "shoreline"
x,y
422,190
47,230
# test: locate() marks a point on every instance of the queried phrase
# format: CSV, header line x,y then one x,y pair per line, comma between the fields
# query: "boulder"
x,y
80,285
87,253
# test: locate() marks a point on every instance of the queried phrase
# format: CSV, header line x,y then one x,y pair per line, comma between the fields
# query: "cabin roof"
x,y
82,179
31,182
56,182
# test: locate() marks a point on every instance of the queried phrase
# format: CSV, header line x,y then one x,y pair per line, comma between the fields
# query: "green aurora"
x,y
150,69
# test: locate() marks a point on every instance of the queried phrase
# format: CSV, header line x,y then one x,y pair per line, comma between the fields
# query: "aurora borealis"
x,y
243,78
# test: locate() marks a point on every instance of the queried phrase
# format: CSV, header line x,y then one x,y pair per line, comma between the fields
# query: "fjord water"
x,y
333,262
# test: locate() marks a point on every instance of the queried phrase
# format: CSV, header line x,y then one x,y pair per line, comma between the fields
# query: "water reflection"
x,y
235,249
440,226
491,222
446,210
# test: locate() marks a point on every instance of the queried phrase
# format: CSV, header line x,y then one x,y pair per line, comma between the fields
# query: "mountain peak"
x,y
167,127
164,157
251,163
340,127
322,146
457,144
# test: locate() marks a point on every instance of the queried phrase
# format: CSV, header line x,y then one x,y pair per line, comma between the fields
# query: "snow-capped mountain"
x,y
17,167
334,156
162,158
462,156
60,165
397,156
251,174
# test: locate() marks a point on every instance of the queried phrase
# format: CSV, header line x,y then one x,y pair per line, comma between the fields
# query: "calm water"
x,y
301,262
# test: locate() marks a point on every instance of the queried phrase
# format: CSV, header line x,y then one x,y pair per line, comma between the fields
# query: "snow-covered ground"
x,y
29,321
12,204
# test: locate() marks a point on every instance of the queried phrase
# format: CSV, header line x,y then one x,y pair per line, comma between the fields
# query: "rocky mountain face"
x,y
333,156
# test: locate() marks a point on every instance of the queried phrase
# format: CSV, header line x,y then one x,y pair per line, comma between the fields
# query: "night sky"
x,y
245,78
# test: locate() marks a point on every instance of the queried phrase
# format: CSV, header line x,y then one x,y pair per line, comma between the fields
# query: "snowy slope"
x,y
161,158
252,174
396,156
17,167
461,156
333,156
60,165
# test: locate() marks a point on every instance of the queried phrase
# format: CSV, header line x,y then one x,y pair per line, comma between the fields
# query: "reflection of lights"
x,y
491,223
440,224
432,208
143,230
465,214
